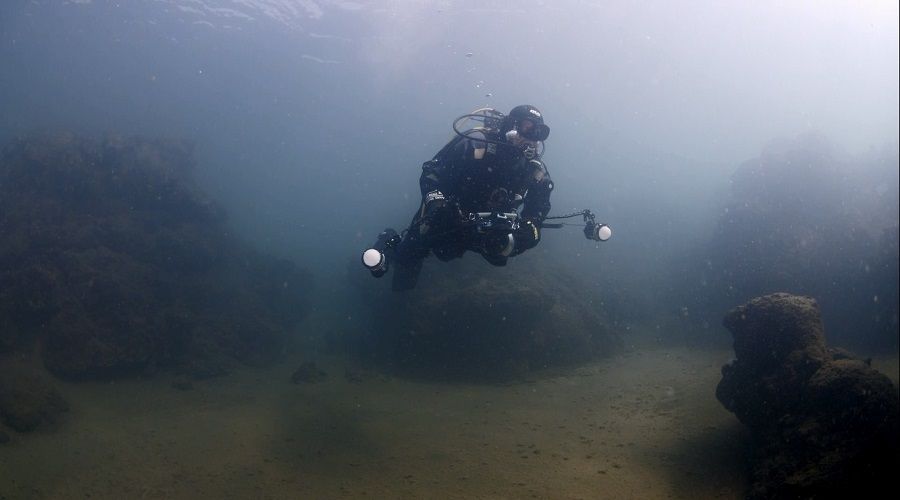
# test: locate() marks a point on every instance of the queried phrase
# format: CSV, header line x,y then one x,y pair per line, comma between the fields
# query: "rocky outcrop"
x,y
467,320
28,397
823,423
115,263
806,218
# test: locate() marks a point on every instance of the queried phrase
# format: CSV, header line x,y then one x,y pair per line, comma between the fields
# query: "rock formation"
x,y
824,425
113,262
467,320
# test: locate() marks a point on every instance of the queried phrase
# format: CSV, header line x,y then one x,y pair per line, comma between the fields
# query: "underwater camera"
x,y
495,230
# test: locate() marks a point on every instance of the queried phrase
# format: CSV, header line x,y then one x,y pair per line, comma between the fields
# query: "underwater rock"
x,y
114,260
823,423
28,398
469,321
804,217
182,384
309,373
354,376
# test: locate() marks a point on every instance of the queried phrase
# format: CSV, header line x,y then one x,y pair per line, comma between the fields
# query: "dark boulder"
x,y
467,320
823,423
28,398
116,262
309,373
806,218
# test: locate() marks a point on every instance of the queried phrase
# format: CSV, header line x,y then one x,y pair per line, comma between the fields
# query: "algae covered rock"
x,y
28,398
823,423
466,320
114,260
807,218
308,372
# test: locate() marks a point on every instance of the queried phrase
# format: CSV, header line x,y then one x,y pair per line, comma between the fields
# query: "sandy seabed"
x,y
645,425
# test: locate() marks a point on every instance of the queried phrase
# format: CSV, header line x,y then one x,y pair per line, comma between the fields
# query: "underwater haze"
x,y
218,166
312,118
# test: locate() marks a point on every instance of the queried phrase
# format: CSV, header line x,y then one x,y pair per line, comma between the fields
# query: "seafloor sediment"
x,y
643,424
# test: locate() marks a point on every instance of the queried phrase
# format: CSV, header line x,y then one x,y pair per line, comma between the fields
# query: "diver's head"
x,y
524,129
525,123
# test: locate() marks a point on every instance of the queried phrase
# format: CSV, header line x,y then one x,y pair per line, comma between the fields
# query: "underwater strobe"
x,y
593,230
597,231
377,259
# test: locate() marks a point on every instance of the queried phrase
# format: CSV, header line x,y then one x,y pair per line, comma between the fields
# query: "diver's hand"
x,y
433,197
434,209
528,235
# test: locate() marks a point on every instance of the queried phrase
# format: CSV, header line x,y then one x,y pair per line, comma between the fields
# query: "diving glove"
x,y
527,236
434,204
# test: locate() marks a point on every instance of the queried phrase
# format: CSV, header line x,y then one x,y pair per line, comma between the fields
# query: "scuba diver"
x,y
487,191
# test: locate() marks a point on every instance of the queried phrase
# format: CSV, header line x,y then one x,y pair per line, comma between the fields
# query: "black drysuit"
x,y
470,176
